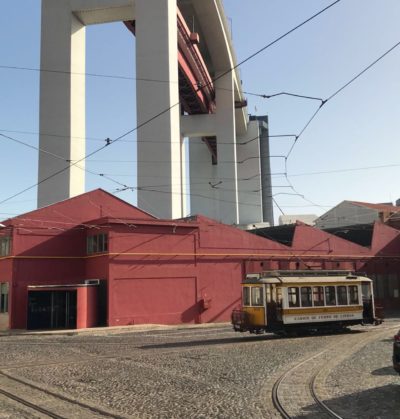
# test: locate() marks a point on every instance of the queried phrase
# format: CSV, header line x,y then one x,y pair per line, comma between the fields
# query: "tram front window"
x,y
257,296
330,296
246,296
293,297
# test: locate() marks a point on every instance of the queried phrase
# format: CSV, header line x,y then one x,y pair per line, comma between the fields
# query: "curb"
x,y
113,330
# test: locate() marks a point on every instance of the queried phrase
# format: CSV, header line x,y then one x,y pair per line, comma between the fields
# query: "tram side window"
x,y
306,299
257,296
246,296
318,296
330,296
268,294
293,297
279,297
342,295
353,294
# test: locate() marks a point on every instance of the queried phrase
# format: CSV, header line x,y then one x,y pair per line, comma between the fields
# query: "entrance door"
x,y
51,310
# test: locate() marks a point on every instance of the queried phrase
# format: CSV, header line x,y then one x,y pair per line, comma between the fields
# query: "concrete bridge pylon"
x,y
217,125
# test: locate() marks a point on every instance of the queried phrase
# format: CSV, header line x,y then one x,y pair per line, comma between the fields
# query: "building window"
x,y
97,243
4,297
5,246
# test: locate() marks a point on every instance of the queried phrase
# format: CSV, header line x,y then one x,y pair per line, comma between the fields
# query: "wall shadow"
x,y
380,402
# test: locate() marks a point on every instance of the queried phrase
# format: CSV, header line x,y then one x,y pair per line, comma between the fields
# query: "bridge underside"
x,y
187,44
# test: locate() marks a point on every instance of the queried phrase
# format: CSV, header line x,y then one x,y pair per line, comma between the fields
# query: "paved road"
x,y
196,373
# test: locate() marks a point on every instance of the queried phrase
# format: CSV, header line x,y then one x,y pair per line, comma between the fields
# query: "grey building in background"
x,y
349,213
265,165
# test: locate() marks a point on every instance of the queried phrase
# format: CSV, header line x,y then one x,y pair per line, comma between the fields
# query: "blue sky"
x,y
358,129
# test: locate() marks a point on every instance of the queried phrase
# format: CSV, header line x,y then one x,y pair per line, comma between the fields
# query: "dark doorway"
x,y
51,310
102,303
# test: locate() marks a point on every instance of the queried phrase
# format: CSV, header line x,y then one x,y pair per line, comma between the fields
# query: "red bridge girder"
x,y
196,88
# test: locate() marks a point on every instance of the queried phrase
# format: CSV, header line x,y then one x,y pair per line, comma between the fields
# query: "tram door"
x,y
272,304
367,300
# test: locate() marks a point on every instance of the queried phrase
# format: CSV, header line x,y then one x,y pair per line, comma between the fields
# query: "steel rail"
x,y
30,405
320,403
275,390
312,381
54,395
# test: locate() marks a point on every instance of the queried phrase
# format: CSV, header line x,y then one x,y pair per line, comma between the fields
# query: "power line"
x,y
339,91
363,71
108,177
171,107
127,161
56,156
279,38
167,81
73,73
384,166
151,189
134,141
330,98
264,96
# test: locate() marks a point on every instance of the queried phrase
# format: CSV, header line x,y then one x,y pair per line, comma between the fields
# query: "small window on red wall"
x,y
97,243
5,246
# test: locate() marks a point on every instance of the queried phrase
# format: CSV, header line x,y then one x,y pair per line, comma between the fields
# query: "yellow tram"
x,y
284,301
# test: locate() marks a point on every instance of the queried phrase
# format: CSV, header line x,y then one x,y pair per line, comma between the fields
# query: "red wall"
x,y
86,304
161,271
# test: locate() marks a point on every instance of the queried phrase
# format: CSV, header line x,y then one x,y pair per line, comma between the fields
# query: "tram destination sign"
x,y
323,317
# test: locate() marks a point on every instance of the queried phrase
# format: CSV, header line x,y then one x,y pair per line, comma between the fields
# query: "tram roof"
x,y
301,277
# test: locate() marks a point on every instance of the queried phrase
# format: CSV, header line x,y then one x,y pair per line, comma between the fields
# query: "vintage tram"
x,y
291,301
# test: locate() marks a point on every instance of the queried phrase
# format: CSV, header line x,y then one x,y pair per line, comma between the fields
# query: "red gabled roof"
x,y
80,210
377,207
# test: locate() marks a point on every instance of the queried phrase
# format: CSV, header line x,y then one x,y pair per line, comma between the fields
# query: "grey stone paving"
x,y
203,373
365,385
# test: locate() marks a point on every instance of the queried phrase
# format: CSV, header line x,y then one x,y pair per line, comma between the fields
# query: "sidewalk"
x,y
103,331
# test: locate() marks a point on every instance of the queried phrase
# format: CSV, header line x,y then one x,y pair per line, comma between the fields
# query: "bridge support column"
x,y
214,188
248,154
203,197
226,149
62,102
158,111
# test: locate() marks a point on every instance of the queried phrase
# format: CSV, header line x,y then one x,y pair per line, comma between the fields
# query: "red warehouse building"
x,y
96,260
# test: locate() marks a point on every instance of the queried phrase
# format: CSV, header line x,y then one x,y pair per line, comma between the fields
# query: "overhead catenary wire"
x,y
152,189
110,176
97,139
329,98
121,161
56,156
159,114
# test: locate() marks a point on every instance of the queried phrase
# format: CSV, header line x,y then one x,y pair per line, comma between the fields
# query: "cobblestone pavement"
x,y
190,373
365,385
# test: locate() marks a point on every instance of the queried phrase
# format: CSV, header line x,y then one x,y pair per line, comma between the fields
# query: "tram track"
x,y
305,382
47,402
30,405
